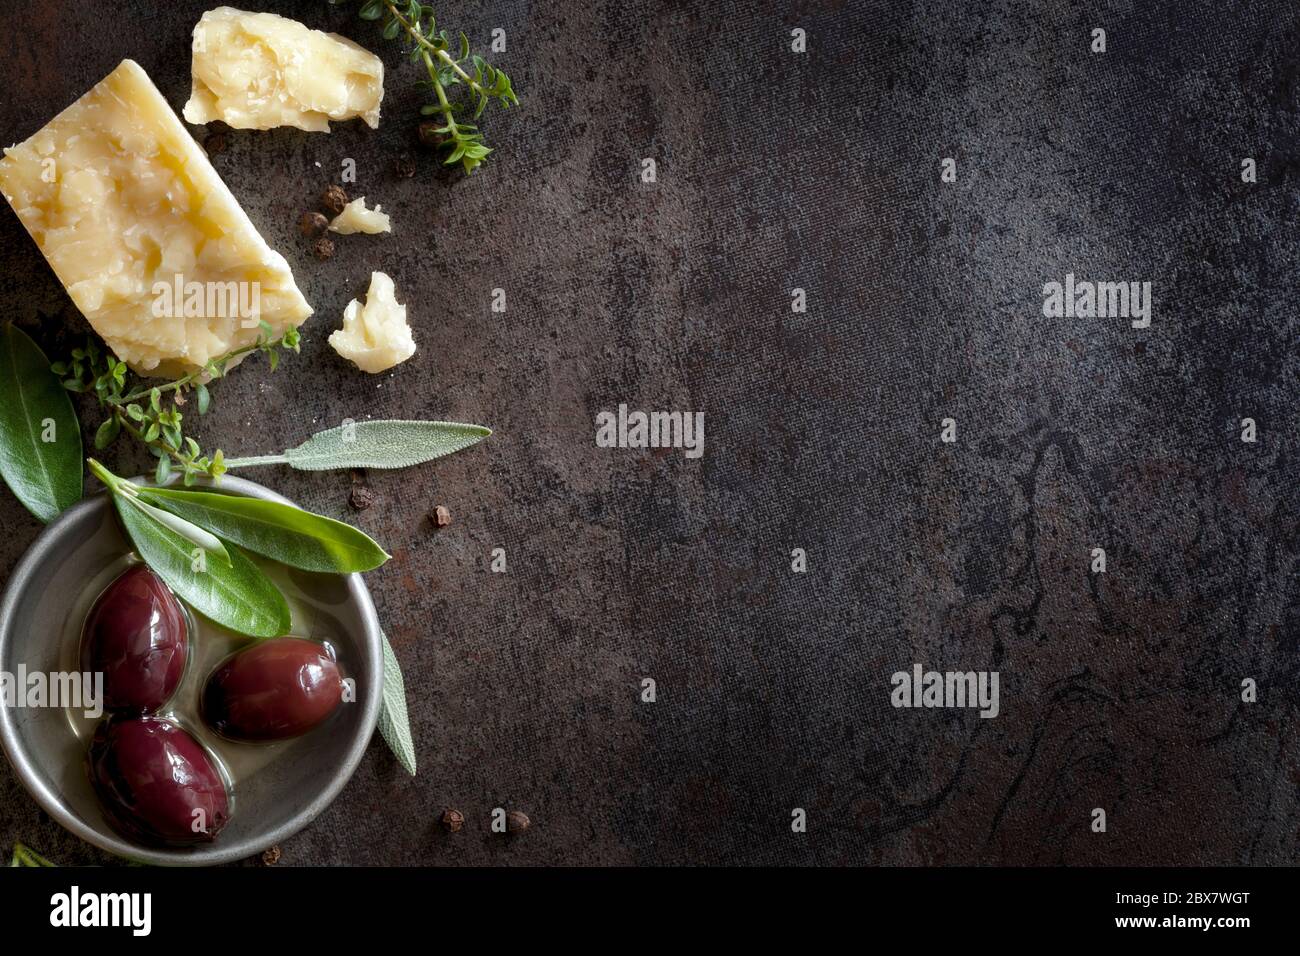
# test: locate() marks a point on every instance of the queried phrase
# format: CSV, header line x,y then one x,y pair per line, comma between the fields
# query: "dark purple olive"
x,y
275,689
136,636
156,783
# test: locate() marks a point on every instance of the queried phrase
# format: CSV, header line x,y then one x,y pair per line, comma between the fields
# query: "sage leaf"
x,y
282,532
40,440
237,596
374,444
394,724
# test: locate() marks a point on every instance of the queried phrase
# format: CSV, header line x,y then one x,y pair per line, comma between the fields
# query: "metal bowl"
x,y
278,788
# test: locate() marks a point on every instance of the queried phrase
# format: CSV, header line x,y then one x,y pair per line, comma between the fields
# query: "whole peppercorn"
x,y
334,199
517,822
361,498
322,248
429,134
271,857
312,224
215,143
441,516
452,820
404,167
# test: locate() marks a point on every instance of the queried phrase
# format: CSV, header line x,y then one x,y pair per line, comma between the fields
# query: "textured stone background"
x,y
818,171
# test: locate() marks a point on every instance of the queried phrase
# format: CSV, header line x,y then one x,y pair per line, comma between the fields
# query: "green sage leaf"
x,y
238,596
394,723
40,440
382,444
282,532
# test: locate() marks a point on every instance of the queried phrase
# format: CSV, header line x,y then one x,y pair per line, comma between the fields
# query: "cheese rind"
x,y
125,205
355,217
260,70
375,337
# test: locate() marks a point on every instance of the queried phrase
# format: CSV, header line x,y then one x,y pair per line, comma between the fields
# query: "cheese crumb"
x,y
355,217
259,71
375,337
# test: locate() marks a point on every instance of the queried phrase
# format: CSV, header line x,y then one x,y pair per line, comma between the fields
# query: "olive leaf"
x,y
282,532
394,724
382,443
237,595
26,856
40,441
190,532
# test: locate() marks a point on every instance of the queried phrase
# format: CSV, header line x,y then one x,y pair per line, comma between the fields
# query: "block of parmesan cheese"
x,y
150,244
259,70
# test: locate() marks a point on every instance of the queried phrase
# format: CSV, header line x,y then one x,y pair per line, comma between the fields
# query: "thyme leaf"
x,y
449,64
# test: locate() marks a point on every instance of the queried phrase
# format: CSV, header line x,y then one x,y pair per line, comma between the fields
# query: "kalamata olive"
x,y
275,689
136,636
156,782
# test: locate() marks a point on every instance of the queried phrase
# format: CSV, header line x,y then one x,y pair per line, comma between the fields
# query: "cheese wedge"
x,y
150,244
259,70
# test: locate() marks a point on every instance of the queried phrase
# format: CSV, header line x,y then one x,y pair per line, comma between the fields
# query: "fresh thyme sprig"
x,y
141,410
461,140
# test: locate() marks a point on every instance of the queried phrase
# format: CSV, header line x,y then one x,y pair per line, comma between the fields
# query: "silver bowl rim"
x,y
218,852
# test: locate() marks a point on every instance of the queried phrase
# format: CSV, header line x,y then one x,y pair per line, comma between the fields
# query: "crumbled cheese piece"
x,y
375,337
259,70
150,244
355,217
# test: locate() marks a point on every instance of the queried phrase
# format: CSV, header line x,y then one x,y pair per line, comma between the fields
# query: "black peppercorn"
x,y
215,143
404,167
312,224
334,199
430,136
361,498
452,820
322,248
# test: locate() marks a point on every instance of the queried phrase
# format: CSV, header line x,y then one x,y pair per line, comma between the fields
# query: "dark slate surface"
x,y
1118,691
